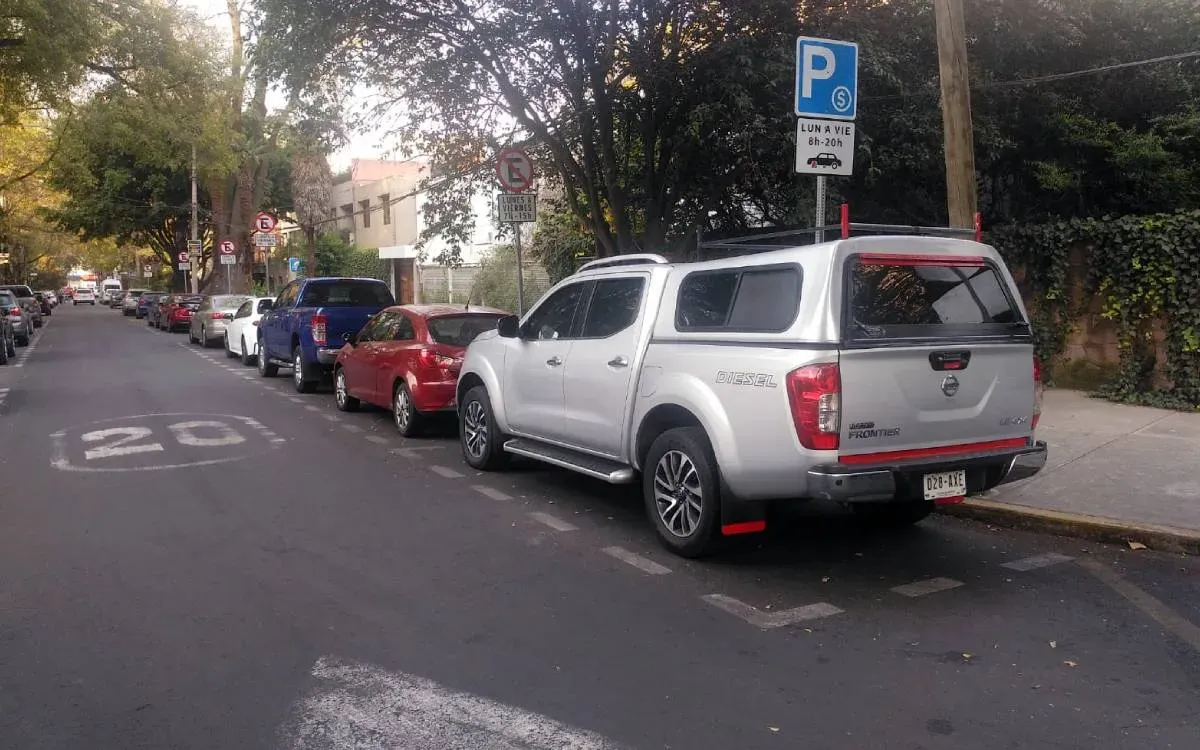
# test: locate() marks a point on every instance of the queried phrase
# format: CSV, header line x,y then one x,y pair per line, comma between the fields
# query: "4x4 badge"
x,y
950,385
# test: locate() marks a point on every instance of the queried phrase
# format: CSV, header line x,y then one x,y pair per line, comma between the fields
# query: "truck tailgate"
x,y
343,320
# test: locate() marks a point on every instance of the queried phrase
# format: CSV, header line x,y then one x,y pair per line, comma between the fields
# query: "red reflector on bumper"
x,y
936,452
948,500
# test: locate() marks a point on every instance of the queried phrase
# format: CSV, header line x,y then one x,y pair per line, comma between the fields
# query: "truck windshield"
x,y
929,297
346,293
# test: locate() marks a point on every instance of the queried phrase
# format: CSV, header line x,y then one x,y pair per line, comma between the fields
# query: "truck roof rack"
x,y
633,259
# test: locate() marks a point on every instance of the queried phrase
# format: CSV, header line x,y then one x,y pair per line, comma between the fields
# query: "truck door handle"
x,y
618,362
554,361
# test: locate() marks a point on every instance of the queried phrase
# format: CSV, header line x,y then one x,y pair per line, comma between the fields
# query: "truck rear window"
x,y
346,293
924,297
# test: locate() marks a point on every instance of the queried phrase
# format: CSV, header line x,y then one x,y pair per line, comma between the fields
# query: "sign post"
x,y
514,170
826,103
193,246
228,259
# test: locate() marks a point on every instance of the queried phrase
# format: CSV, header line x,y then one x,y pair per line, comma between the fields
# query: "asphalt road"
x,y
194,557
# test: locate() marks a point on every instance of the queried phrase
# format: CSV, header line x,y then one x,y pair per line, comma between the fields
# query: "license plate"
x,y
946,484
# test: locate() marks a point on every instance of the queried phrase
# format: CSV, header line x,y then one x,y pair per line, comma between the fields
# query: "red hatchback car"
x,y
407,359
176,314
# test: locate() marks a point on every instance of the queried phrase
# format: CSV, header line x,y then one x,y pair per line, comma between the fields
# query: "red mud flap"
x,y
948,500
740,517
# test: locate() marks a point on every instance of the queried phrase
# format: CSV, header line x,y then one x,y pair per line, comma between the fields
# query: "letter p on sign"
x,y
812,71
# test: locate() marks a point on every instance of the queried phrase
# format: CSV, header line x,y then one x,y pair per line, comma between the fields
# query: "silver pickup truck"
x,y
887,373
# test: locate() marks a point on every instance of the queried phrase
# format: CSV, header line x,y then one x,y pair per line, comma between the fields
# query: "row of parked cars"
x,y
22,312
888,374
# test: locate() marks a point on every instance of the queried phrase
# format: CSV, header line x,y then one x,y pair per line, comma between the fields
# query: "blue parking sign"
x,y
826,78
294,265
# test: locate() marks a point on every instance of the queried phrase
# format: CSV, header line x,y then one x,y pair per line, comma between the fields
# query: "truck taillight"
x,y
1038,391
15,312
815,396
319,321
430,358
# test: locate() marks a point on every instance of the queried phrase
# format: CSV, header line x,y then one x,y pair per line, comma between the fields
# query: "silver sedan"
x,y
210,321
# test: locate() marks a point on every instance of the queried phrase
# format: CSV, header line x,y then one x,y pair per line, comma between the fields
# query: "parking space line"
x,y
1036,561
378,440
293,399
927,586
352,428
555,523
768,620
445,472
310,407
332,417
1183,628
489,492
644,564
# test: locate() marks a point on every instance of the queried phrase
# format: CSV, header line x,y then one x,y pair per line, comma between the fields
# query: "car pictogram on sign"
x,y
825,160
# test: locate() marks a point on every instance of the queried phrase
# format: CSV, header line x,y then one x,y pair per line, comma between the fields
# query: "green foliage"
x,y
495,283
337,257
1144,269
560,241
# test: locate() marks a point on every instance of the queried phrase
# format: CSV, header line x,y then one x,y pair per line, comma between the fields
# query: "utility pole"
x,y
958,132
195,227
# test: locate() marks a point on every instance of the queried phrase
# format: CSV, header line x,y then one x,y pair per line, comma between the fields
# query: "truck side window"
x,y
554,317
614,307
750,299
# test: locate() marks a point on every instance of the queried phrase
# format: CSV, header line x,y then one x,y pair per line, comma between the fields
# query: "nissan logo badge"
x,y
950,386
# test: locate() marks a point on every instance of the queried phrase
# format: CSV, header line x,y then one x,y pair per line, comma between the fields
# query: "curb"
x,y
1097,528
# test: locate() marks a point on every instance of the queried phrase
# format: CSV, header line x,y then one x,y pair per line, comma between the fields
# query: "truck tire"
x,y
266,368
302,377
482,445
681,487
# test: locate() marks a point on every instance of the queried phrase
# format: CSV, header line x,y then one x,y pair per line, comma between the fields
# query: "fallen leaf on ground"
x,y
1070,664
773,729
1136,545
1053,644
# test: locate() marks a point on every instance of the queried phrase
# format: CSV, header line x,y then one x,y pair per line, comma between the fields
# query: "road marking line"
x,y
278,440
489,492
352,428
555,523
928,586
767,620
644,564
378,440
445,472
310,407
1185,629
332,417
1036,561
293,399
357,706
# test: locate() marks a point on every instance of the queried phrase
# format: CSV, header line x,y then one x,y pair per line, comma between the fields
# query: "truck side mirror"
x,y
509,326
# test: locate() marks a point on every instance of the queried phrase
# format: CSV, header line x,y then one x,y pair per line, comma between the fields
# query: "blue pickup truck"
x,y
309,323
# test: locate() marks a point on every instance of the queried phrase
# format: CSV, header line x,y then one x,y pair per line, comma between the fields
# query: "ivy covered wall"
x,y
1143,272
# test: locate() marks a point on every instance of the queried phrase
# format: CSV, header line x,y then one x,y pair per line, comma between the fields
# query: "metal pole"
x,y
195,223
819,213
267,267
520,277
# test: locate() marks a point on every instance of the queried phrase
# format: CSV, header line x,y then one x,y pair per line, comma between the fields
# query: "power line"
x,y
1017,83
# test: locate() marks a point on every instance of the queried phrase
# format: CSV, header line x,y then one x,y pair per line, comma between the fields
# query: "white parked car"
x,y
241,334
85,295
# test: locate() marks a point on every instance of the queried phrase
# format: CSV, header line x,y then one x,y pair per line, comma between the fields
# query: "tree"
x,y
652,114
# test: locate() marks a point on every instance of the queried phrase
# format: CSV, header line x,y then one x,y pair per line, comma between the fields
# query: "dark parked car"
x,y
44,301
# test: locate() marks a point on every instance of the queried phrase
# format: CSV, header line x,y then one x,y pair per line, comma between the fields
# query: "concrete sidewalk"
x,y
1114,472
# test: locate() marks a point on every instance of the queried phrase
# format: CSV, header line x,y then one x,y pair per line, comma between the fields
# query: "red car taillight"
x,y
319,322
815,396
432,359
1038,392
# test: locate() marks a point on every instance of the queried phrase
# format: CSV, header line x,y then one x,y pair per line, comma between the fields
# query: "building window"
x,y
385,201
366,212
348,214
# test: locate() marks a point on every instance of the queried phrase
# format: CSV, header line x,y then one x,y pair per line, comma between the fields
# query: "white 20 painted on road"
x,y
152,442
